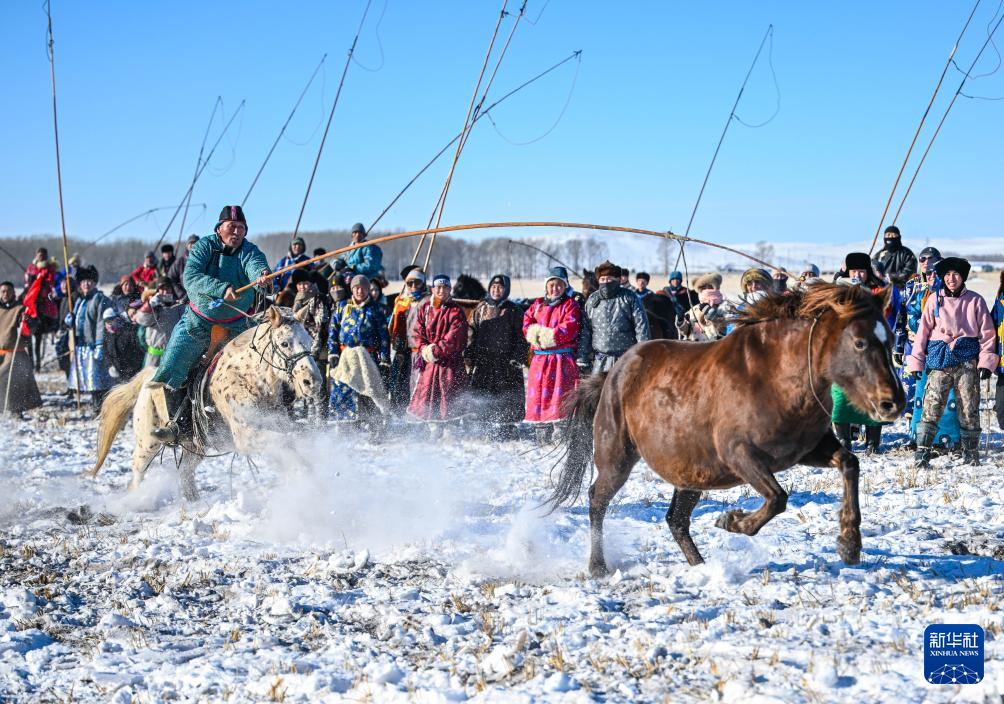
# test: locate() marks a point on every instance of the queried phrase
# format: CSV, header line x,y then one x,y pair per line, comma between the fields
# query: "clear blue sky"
x,y
138,80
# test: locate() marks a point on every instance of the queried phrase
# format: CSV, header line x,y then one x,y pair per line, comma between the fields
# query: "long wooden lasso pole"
x,y
916,134
62,215
496,225
441,201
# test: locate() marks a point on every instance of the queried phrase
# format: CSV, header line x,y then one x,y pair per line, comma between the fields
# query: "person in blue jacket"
x,y
367,260
297,253
218,265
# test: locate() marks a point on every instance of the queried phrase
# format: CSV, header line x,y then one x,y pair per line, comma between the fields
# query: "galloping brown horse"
x,y
756,403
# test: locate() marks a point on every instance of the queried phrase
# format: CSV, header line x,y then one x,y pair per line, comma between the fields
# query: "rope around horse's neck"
x,y
812,382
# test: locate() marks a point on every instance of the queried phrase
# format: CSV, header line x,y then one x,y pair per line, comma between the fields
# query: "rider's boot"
x,y
169,403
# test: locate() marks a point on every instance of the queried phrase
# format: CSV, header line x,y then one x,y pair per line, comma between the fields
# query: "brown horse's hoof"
x,y
729,520
849,550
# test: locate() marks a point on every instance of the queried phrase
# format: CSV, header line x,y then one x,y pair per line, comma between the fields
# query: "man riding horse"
x,y
217,266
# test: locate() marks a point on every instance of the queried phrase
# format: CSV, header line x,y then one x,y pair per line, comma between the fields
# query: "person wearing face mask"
x,y
497,353
88,365
218,265
403,371
779,281
900,263
956,345
707,319
441,337
552,326
613,320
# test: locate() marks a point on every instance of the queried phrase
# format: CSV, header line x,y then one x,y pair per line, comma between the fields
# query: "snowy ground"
x,y
422,572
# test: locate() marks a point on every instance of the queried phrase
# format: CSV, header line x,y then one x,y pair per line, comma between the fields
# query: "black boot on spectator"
x,y
925,438
970,446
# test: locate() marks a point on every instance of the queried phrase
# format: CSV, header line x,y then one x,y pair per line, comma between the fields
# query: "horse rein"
x,y
289,360
812,382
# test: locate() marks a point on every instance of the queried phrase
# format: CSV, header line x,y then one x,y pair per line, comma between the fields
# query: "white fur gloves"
x,y
533,335
429,354
545,338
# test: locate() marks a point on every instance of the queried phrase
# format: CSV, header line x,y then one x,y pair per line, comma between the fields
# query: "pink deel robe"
x,y
441,383
552,376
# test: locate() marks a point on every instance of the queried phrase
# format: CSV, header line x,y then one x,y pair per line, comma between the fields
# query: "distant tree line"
x,y
481,258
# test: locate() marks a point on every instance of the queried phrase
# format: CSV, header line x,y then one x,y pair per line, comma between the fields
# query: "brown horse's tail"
x,y
578,456
115,410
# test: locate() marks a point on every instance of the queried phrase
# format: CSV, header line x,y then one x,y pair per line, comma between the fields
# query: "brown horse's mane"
x,y
847,302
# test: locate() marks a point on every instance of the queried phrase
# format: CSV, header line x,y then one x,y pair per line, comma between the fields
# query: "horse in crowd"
x,y
246,385
762,407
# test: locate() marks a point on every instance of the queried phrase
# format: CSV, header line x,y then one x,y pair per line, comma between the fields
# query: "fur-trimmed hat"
x,y
712,279
299,275
608,268
953,264
857,260
642,275
755,274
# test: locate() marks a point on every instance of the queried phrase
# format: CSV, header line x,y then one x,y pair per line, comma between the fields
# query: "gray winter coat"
x,y
612,325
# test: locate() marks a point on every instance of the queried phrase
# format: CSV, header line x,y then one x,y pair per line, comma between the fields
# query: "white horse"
x,y
246,390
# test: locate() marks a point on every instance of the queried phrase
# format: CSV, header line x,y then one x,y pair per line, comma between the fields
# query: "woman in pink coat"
x,y
551,325
441,335
956,343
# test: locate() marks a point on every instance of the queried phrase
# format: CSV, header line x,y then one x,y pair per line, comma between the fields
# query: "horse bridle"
x,y
812,382
289,360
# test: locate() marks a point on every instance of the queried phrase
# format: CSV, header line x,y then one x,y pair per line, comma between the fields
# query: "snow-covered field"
x,y
417,571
